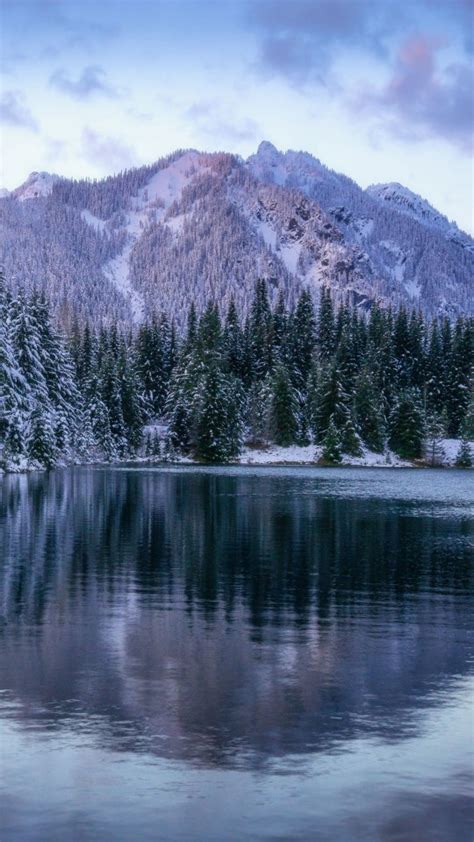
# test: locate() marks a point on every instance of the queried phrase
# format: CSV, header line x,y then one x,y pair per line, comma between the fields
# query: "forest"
x,y
337,376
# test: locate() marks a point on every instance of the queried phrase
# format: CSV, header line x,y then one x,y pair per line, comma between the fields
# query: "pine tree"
x,y
406,426
303,338
332,444
326,327
26,342
350,439
100,423
132,407
459,376
467,428
369,412
280,325
284,408
401,346
435,369
148,445
156,446
433,444
216,438
40,443
260,333
258,413
332,402
464,456
233,345
14,447
112,399
14,390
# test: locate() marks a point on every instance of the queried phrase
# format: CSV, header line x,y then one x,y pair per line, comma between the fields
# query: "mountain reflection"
x,y
226,619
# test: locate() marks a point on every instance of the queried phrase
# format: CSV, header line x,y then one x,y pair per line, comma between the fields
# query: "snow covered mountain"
x,y
409,203
36,185
195,225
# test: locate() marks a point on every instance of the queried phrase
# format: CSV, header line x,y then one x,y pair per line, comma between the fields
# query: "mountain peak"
x,y
267,150
411,204
36,185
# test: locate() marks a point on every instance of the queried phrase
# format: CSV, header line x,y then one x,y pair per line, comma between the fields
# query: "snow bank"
x,y
450,448
311,455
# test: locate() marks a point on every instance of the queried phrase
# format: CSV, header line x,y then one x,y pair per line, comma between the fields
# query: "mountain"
x,y
194,226
409,203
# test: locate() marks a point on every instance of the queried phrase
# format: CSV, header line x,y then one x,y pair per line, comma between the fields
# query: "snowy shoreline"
x,y
274,457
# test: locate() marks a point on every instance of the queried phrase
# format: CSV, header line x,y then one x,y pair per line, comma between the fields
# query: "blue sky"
x,y
381,90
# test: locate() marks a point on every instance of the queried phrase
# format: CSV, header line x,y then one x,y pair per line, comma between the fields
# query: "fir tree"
x,y
464,456
326,327
216,438
259,412
303,337
148,446
332,402
350,439
233,345
284,420
467,427
332,444
433,445
40,443
406,426
14,447
156,446
369,412
260,333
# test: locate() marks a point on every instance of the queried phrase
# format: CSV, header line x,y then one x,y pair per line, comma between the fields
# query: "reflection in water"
x,y
269,624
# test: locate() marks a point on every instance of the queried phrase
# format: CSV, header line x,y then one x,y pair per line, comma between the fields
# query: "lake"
x,y
236,654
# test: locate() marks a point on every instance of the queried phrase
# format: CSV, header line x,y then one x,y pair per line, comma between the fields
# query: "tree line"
x,y
331,375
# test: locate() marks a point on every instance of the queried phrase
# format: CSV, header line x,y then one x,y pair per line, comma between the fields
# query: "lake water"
x,y
236,654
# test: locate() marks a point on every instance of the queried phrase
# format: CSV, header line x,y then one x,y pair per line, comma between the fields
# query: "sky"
x,y
381,90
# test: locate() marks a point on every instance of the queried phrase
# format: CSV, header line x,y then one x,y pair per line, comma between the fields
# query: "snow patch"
x,y
117,271
167,184
176,222
413,289
149,206
268,233
363,228
397,270
290,255
311,455
450,450
37,184
93,221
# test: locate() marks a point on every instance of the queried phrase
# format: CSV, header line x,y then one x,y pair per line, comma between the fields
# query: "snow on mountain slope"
x,y
36,185
434,261
305,239
409,203
198,225
146,208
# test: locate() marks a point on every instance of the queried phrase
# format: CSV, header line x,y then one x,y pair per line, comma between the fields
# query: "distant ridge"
x,y
197,225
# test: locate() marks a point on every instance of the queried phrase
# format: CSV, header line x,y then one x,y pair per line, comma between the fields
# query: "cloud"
x,y
421,99
90,82
77,29
301,39
209,119
109,154
14,112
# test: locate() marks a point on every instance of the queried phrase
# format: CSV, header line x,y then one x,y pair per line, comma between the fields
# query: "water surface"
x,y
227,654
